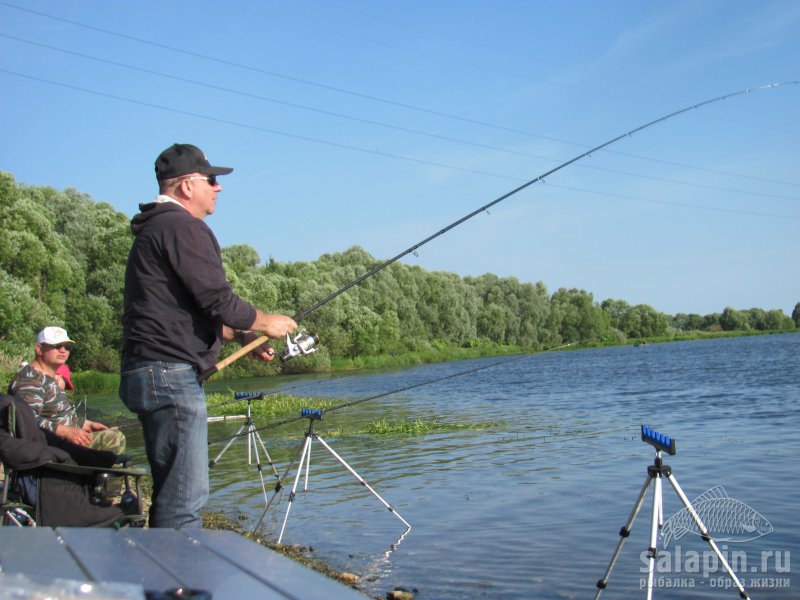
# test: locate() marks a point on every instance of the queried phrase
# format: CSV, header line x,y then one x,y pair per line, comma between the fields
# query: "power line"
x,y
305,138
377,123
320,141
674,203
297,79
284,76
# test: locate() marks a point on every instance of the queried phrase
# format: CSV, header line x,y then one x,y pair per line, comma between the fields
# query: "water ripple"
x,y
531,506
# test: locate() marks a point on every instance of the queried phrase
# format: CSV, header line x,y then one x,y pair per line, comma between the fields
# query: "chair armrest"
x,y
83,470
102,491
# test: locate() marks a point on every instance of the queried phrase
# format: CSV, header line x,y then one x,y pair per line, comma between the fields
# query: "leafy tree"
x,y
687,322
33,253
577,318
62,262
20,317
775,320
616,311
363,327
644,321
712,322
756,319
526,309
733,320
240,258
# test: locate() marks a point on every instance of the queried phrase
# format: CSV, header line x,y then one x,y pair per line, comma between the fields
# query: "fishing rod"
x,y
304,344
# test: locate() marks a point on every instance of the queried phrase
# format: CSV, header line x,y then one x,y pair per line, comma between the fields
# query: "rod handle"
x,y
233,357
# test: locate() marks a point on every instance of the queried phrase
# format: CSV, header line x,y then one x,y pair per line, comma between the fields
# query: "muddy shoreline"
x,y
301,554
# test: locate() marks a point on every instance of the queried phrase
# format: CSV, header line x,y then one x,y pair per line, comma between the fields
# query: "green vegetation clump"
x,y
271,406
419,427
282,406
410,359
95,382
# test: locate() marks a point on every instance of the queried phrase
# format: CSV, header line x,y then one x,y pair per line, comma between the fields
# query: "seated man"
x,y
38,384
61,498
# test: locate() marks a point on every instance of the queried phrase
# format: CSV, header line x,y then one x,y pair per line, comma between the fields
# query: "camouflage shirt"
x,y
50,403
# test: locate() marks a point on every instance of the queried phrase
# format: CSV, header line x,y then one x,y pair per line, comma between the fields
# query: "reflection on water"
x,y
531,505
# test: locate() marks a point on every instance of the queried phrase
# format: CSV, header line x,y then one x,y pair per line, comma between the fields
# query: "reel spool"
x,y
303,344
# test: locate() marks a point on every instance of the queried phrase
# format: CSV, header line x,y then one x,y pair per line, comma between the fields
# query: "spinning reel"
x,y
302,344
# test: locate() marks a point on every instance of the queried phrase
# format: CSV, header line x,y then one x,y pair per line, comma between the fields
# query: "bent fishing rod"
x,y
303,344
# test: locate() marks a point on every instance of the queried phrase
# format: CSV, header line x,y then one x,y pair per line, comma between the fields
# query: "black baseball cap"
x,y
181,159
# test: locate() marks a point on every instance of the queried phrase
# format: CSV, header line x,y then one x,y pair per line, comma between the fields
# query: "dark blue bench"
x,y
223,563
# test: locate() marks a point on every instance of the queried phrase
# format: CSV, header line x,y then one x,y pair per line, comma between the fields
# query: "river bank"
x,y
94,382
302,554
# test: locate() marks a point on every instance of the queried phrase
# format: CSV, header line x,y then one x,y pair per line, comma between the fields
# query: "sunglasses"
x,y
211,179
67,347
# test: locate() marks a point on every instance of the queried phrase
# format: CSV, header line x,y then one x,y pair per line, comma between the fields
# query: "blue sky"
x,y
378,123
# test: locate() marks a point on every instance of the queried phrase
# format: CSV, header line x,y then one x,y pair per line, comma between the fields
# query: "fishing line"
x,y
395,391
377,396
287,390
413,249
290,420
208,85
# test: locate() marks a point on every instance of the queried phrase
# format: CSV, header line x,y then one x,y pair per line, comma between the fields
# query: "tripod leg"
x,y
266,454
704,533
308,461
655,526
306,449
228,445
362,482
279,484
251,445
623,535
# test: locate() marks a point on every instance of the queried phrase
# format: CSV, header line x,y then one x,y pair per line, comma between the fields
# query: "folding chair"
x,y
14,510
51,482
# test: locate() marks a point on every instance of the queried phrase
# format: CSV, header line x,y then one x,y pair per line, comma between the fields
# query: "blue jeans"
x,y
171,406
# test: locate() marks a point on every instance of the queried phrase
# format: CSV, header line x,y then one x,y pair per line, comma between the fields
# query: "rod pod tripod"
x,y
654,474
304,461
253,441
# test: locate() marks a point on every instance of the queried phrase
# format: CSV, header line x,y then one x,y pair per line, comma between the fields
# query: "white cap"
x,y
53,336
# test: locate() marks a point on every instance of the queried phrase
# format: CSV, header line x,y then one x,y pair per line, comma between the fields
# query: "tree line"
x,y
62,261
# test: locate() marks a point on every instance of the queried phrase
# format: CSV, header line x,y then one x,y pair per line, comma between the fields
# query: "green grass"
x,y
271,406
95,382
685,336
421,357
281,406
419,427
408,427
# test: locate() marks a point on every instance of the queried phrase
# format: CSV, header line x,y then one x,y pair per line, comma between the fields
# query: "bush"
x,y
95,382
318,362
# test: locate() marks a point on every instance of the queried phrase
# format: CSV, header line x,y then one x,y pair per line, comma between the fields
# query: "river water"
x,y
530,504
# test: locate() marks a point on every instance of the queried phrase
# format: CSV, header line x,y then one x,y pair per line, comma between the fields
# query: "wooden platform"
x,y
223,563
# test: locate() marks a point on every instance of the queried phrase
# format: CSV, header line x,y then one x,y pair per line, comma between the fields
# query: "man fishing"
x,y
178,307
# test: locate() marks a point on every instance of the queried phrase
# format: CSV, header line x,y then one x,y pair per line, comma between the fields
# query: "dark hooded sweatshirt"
x,y
177,296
